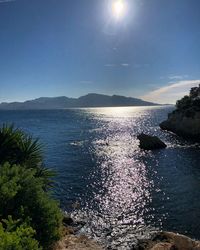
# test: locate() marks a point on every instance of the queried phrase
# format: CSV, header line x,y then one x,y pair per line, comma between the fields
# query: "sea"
x,y
105,180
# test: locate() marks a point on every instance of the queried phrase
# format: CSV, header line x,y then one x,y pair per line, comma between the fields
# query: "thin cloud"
x,y
110,65
125,65
86,82
117,65
7,1
109,33
172,92
177,77
137,65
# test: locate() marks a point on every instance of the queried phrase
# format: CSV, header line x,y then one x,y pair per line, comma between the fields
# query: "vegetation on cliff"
x,y
29,218
185,119
189,104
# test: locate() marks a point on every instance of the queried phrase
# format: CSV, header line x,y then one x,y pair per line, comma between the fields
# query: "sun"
x,y
118,8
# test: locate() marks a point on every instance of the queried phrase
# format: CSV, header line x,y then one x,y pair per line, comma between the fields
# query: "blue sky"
x,y
74,47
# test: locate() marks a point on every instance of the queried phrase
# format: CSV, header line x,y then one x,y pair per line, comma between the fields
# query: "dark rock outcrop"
x,y
168,241
183,125
148,142
67,220
185,120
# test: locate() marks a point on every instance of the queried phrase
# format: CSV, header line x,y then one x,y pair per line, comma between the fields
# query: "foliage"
x,y
184,103
16,147
19,148
196,103
17,236
22,196
188,105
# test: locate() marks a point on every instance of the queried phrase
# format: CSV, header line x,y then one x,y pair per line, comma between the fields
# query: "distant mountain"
x,y
62,102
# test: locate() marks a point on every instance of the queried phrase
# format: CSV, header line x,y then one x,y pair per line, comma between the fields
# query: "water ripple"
x,y
124,193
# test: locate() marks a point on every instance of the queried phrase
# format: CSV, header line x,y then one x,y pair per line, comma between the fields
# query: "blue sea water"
x,y
124,193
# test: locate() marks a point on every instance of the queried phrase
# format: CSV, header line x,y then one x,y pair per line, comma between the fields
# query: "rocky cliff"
x,y
185,120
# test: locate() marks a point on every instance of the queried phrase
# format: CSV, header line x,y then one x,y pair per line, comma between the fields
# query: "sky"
x,y
74,47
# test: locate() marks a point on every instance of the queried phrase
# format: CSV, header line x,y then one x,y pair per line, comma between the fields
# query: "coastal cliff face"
x,y
180,124
185,120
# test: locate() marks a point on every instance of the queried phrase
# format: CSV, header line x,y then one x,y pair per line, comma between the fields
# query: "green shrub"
x,y
16,147
24,185
19,148
17,237
22,196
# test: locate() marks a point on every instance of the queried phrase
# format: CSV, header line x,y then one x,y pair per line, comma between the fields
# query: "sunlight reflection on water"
x,y
122,194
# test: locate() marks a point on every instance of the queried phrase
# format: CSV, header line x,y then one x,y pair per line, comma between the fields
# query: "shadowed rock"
x,y
183,125
67,220
148,142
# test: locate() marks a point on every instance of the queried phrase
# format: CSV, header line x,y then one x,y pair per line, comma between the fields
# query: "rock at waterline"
x,y
75,242
148,142
67,220
168,241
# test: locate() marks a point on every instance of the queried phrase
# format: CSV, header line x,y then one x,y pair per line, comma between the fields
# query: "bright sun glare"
x,y
118,8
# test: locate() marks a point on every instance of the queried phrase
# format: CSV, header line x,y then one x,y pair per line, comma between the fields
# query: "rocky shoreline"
x,y
158,241
72,240
168,241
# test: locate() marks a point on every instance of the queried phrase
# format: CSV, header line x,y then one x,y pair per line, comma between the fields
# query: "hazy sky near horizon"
x,y
75,47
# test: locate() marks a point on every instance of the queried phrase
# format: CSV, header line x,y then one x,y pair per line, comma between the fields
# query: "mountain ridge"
x,y
89,100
